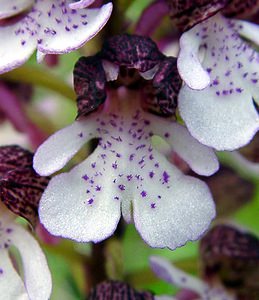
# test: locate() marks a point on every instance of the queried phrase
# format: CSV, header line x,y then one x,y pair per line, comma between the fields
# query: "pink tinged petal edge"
x,y
59,148
9,8
223,115
81,4
68,36
169,273
73,208
199,157
11,284
36,272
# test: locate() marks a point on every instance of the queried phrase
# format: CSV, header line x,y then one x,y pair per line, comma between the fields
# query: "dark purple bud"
x,y
108,290
132,51
232,256
167,84
89,84
20,187
186,13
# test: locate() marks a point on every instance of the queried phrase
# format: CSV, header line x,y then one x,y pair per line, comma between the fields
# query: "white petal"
x,y
189,65
200,158
81,4
168,272
172,199
59,148
16,37
249,31
11,285
224,123
11,8
223,115
111,70
81,204
36,272
64,30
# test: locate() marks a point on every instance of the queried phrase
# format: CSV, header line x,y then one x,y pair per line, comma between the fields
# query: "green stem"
x,y
40,76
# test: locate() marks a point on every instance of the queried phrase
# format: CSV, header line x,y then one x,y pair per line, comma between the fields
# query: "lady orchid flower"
x,y
126,173
20,191
220,70
201,290
51,27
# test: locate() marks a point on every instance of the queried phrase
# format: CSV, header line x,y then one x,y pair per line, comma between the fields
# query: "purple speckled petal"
x,y
11,8
51,27
81,4
222,115
123,167
64,29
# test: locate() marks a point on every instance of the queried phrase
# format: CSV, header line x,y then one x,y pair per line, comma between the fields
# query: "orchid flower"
x,y
168,272
126,172
51,27
20,190
220,70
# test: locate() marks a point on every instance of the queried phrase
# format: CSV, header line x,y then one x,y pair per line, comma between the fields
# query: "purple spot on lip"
x,y
80,134
98,188
166,135
129,177
116,198
143,194
166,177
9,230
151,174
1,271
153,205
93,165
90,201
121,187
85,177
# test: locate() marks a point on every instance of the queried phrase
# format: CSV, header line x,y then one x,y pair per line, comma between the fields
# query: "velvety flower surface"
x,y
217,100
125,173
108,290
54,27
20,186
166,271
36,284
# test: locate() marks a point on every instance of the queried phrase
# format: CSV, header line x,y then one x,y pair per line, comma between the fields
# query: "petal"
x,y
12,157
36,272
200,158
11,285
249,30
187,13
224,123
21,190
89,84
81,204
189,65
222,115
81,4
168,272
21,36
186,201
132,51
64,29
59,148
13,7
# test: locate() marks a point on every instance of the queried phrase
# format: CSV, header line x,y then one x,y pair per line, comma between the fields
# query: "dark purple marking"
x,y
166,177
93,165
116,198
115,166
143,194
129,177
153,205
151,174
90,201
121,187
87,191
80,134
166,135
85,177
131,156
1,271
98,188
9,230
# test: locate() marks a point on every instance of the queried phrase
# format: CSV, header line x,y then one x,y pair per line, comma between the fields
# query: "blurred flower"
x,y
51,27
220,70
20,190
20,186
201,290
108,290
126,172
231,255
